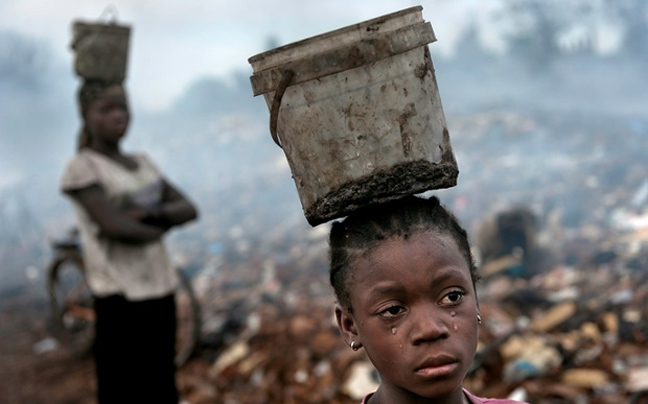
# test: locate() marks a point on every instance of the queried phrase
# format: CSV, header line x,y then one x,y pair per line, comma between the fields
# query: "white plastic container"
x,y
358,114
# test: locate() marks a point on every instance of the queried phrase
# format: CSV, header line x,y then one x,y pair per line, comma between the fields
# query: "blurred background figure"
x,y
124,207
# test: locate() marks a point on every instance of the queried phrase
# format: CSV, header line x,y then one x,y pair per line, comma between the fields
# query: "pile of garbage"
x,y
563,294
575,334
572,334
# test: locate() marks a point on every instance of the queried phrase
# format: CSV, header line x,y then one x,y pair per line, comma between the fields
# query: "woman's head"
x,y
405,282
104,110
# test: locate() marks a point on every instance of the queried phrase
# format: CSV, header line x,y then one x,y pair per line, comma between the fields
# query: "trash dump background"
x,y
550,137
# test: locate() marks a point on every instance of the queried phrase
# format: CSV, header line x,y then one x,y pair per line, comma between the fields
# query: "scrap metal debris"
x,y
564,295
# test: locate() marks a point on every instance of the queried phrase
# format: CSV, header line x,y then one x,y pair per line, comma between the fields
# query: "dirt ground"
x,y
56,376
27,377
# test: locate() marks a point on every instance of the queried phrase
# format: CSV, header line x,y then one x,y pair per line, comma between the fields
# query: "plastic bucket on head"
x,y
101,51
358,114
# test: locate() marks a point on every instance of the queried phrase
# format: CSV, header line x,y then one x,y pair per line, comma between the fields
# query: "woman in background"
x,y
124,207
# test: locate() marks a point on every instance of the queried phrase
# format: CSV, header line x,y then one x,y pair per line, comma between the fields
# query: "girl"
x,y
124,206
404,279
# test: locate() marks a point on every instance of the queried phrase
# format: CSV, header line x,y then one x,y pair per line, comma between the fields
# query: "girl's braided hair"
x,y
363,230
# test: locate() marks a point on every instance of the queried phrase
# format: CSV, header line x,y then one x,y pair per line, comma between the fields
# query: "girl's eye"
x,y
392,311
453,297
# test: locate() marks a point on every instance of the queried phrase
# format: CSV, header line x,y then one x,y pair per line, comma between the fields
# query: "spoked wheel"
x,y
73,313
71,305
188,320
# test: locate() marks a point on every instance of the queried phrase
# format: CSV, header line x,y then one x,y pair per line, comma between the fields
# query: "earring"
x,y
479,319
353,346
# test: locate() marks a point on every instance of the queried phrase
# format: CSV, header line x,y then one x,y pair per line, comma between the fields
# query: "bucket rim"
x,y
110,25
410,10
335,60
84,27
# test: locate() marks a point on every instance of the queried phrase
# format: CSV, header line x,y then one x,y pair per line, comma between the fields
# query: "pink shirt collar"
x,y
473,399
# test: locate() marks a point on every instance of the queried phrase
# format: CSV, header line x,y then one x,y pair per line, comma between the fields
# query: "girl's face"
x,y
415,313
107,118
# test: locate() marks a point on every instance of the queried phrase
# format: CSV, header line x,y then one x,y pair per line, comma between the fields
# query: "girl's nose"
x,y
429,325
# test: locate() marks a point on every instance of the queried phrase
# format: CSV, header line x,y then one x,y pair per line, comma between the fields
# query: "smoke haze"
x,y
537,123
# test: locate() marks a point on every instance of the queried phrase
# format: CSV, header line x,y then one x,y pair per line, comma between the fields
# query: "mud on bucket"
x,y
101,50
358,114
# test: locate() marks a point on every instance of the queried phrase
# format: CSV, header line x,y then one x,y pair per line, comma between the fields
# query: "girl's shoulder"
x,y
138,159
143,158
79,173
80,161
473,399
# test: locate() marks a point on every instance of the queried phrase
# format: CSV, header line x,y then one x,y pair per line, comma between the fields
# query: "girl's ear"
x,y
346,323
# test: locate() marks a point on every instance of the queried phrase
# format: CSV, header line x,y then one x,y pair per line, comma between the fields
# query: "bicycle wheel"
x,y
73,314
188,320
71,304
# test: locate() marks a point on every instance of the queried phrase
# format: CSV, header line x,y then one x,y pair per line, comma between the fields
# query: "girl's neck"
x,y
115,154
107,149
381,396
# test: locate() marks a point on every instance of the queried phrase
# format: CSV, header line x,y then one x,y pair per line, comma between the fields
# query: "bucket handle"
x,y
111,11
286,78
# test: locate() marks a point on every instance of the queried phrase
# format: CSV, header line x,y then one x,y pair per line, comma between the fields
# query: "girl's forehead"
x,y
113,97
110,99
420,264
424,239
428,248
114,91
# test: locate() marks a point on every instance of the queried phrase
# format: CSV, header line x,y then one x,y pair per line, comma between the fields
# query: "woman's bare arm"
x,y
115,224
175,208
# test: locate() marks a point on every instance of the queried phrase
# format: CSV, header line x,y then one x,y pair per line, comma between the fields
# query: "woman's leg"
x,y
111,349
155,356
135,349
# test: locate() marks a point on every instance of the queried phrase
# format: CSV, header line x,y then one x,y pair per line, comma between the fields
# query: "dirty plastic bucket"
x,y
101,50
358,114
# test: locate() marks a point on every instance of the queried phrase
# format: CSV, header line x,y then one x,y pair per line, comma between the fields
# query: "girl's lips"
x,y
438,371
437,366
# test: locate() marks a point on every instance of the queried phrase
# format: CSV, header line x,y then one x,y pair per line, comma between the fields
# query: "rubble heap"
x,y
563,302
570,331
